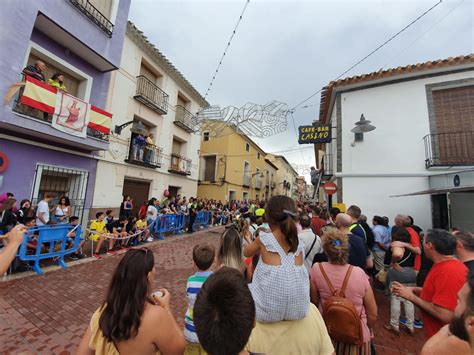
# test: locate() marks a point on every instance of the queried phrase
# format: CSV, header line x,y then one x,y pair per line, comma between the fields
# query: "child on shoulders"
x,y
280,285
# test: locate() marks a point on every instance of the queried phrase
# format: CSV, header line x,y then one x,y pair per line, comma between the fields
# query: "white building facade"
x,y
148,95
423,129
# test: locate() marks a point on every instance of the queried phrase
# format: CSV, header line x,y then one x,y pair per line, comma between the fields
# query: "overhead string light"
x,y
226,49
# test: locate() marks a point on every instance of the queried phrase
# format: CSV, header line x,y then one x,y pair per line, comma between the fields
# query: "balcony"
x,y
36,123
180,165
185,119
247,181
258,184
273,185
449,149
149,157
151,95
327,166
91,12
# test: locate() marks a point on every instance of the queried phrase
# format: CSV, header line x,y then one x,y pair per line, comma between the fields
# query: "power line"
x,y
428,30
374,51
226,49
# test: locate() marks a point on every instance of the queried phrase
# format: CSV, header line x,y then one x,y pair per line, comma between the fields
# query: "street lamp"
x,y
137,127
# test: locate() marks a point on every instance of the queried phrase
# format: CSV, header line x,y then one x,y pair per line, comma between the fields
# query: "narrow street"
x,y
48,314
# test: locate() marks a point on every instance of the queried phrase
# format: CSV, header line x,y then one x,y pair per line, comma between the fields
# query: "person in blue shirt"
x,y
382,240
138,147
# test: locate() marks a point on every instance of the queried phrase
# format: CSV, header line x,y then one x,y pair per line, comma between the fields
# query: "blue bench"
x,y
49,236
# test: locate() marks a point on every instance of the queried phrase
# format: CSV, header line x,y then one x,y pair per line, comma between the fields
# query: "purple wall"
x,y
20,175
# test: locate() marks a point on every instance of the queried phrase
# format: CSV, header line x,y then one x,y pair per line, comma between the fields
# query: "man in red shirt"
x,y
438,297
316,221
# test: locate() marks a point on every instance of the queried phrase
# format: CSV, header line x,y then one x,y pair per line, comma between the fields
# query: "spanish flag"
x,y
42,96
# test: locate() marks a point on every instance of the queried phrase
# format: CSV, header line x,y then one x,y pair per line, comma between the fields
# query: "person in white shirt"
x,y
312,242
42,211
152,215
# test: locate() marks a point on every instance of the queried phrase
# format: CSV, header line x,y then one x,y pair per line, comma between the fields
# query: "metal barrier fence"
x,y
175,223
50,236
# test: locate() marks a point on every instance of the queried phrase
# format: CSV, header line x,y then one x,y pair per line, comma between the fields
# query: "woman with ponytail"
x,y
357,290
280,285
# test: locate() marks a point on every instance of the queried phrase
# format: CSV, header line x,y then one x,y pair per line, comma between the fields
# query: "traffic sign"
x,y
330,188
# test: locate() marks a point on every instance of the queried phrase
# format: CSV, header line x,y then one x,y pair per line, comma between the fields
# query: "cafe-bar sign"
x,y
314,134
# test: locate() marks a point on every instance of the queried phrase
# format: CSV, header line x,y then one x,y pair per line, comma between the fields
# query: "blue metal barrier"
x,y
203,218
165,223
52,235
181,221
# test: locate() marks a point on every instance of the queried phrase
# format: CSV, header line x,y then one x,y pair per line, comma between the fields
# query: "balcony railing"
x,y
449,149
34,113
180,165
247,181
328,163
146,156
91,12
151,95
184,119
258,184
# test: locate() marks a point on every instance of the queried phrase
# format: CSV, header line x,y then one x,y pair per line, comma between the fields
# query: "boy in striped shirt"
x,y
203,257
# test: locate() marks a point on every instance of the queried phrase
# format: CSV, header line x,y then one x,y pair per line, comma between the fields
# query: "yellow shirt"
x,y
303,336
141,224
56,84
97,226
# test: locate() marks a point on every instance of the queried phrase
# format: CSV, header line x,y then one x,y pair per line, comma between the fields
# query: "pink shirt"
x,y
357,286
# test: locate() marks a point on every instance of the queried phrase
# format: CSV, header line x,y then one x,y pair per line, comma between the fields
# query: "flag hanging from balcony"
x,y
100,120
71,115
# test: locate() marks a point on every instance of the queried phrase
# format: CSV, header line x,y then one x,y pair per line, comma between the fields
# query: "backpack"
x,y
340,315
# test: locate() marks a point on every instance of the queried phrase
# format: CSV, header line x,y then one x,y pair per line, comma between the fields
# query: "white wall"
x,y
112,169
391,159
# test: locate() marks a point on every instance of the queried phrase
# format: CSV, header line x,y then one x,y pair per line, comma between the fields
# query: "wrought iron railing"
x,y
93,14
185,119
180,164
151,95
449,149
32,112
247,181
149,156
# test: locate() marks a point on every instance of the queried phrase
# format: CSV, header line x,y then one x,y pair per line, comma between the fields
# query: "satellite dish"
x,y
362,126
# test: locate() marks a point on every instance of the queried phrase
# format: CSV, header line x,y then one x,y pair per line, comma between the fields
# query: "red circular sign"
x,y
330,188
3,162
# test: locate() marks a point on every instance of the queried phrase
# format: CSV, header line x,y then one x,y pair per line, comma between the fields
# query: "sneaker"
x,y
418,324
96,256
74,256
150,239
111,252
81,256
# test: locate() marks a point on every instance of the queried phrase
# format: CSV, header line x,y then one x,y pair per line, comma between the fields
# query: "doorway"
x,y
138,191
174,191
440,211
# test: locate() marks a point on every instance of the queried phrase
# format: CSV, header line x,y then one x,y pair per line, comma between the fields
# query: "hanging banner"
x,y
314,134
71,115
68,116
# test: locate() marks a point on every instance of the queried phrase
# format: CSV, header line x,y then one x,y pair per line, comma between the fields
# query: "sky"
x,y
287,50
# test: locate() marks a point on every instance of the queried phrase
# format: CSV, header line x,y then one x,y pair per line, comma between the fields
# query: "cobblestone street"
x,y
48,314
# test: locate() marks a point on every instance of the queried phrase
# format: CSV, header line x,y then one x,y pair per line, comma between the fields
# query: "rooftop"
x,y
463,62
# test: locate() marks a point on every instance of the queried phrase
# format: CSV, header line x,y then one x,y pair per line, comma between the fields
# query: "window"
x,y
258,155
148,73
210,168
247,147
245,196
231,195
205,136
104,6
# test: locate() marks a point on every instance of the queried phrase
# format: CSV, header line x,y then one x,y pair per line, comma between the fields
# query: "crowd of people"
x,y
293,278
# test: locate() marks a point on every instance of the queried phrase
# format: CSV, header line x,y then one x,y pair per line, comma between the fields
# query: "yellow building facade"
x,y
233,167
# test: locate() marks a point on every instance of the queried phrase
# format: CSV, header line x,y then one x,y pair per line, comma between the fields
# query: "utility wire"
x,y
226,49
374,51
